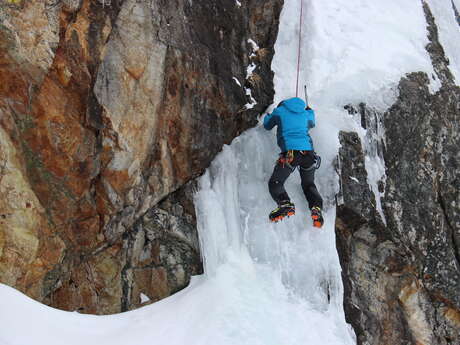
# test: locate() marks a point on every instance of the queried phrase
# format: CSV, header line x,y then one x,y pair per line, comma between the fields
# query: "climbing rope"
x,y
298,54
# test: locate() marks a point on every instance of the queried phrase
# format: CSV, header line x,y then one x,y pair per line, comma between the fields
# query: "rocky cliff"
x,y
109,109
401,261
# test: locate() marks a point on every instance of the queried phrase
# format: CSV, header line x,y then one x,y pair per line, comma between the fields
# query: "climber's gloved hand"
x,y
308,108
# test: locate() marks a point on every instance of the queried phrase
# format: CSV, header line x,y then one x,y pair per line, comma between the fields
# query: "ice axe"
x,y
306,95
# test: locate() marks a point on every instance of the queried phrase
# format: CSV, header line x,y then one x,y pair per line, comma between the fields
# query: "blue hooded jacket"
x,y
293,123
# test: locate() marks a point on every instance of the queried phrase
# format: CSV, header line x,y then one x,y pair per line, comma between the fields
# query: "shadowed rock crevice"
x,y
451,231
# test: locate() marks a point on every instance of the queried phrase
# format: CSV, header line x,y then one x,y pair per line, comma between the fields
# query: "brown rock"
x,y
107,110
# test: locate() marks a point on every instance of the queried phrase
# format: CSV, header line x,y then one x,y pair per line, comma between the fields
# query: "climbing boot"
x,y
285,208
317,217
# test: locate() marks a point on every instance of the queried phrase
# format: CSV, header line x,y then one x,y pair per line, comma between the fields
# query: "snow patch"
x,y
255,48
354,179
353,60
237,81
374,161
144,298
254,45
252,102
249,71
375,168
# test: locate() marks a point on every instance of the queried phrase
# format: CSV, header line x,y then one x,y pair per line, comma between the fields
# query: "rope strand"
x,y
298,54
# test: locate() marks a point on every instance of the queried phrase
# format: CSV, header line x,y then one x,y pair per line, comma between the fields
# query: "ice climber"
x,y
293,121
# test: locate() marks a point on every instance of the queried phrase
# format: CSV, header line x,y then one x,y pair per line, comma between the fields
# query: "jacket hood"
x,y
295,104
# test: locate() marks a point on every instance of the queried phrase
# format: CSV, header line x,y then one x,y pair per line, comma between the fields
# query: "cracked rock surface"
x,y
108,112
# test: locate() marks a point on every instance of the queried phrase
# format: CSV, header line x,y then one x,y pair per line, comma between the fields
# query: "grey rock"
x,y
165,240
71,6
402,278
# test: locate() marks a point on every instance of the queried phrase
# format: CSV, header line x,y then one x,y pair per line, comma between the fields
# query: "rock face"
x,y
108,111
457,14
401,272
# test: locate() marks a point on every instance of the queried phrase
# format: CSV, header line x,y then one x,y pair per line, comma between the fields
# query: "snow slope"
x,y
267,283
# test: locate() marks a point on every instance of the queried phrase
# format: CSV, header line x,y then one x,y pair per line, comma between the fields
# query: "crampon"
x,y
317,217
283,210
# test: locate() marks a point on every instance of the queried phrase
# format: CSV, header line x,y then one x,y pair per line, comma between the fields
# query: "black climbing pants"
x,y
305,160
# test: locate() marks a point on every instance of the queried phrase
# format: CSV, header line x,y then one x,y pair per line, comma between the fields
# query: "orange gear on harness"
x,y
286,158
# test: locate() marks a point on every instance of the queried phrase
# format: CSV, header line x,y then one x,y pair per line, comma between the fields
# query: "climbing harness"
x,y
298,53
286,159
315,165
317,160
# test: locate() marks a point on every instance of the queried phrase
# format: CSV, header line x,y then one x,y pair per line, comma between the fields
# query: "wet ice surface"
x,y
297,263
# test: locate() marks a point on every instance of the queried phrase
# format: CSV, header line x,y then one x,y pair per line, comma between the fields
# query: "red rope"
x,y
298,55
